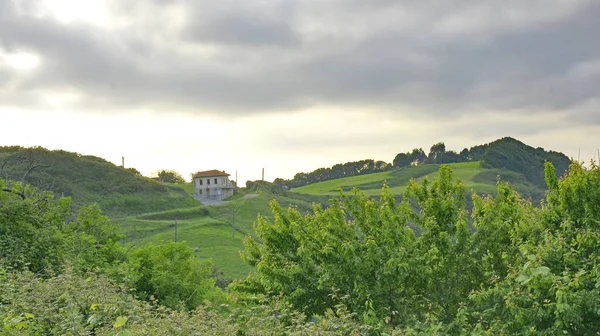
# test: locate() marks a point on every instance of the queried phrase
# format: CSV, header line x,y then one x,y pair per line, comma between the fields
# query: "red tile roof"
x,y
210,173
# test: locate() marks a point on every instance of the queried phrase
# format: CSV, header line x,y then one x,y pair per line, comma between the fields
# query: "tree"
x,y
417,156
170,176
402,160
30,230
551,285
170,272
436,153
364,254
92,241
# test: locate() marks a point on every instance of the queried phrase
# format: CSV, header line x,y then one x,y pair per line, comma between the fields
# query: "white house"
x,y
213,184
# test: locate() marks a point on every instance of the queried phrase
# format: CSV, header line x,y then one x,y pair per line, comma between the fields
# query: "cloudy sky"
x,y
294,85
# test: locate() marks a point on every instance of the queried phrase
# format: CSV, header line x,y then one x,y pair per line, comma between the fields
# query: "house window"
x,y
216,181
207,181
200,181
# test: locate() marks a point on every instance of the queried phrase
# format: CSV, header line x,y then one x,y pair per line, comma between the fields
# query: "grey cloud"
x,y
242,30
280,55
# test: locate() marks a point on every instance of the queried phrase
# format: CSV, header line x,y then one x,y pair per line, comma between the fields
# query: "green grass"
x,y
207,228
246,210
397,179
330,187
187,187
212,238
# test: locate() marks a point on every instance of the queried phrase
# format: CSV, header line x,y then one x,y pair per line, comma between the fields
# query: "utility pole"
x,y
233,222
176,237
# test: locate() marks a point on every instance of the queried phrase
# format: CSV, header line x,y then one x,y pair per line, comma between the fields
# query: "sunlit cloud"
x,y
21,61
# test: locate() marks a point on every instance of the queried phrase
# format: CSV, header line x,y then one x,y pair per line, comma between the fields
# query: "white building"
x,y
213,184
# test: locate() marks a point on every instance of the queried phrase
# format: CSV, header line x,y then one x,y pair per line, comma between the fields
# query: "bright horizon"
x,y
292,86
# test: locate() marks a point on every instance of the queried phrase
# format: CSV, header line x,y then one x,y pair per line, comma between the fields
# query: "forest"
x,y
355,267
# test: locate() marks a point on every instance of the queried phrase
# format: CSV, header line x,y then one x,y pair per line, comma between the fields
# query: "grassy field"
x,y
371,184
211,238
207,229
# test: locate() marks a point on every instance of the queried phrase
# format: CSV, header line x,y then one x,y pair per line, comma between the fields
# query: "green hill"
x,y
90,179
506,159
208,229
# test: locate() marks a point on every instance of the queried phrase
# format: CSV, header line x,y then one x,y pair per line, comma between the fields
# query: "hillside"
x,y
90,179
479,168
397,178
208,229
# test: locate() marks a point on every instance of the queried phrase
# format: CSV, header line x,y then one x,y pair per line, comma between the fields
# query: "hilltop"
x,y
479,167
89,179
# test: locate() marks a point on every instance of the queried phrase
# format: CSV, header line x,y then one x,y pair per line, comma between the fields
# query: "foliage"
x,y
70,304
92,240
365,252
513,155
170,273
414,158
170,176
259,186
89,179
30,230
36,235
520,270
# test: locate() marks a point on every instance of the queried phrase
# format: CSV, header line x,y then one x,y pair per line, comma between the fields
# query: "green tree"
x,y
364,253
402,160
552,284
30,229
417,156
436,153
92,241
170,273
170,176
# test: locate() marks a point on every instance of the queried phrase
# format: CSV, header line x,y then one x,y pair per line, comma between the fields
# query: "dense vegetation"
x,y
522,270
170,176
359,266
90,179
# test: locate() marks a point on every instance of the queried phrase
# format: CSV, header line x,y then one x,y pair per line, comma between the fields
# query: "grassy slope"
x,y
212,237
208,229
89,179
397,179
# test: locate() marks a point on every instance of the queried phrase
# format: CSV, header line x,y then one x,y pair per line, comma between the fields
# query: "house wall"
x,y
209,182
206,186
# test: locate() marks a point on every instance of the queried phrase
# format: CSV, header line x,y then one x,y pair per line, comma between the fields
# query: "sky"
x,y
294,85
